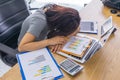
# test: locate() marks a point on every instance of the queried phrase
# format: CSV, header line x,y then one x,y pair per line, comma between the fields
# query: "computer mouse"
x,y
113,11
118,15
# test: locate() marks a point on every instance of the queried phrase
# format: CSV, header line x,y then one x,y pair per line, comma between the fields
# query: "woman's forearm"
x,y
33,45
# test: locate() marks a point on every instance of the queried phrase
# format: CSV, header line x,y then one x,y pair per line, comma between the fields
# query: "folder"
x,y
38,65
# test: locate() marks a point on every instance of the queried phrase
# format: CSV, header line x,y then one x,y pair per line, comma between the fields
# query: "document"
x,y
76,46
38,65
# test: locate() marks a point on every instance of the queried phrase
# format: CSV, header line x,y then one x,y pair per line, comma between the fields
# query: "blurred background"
x,y
77,4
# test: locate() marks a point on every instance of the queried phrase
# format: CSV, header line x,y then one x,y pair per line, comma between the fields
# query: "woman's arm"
x,y
27,43
55,48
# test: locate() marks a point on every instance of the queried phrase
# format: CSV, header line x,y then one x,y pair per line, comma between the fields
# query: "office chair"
x,y
12,14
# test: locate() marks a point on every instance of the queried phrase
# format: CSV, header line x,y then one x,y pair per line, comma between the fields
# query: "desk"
x,y
105,64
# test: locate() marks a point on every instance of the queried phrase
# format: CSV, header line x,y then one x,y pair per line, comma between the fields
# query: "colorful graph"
x,y
75,44
43,70
37,59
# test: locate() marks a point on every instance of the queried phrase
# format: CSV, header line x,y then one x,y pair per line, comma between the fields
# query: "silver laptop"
x,y
105,32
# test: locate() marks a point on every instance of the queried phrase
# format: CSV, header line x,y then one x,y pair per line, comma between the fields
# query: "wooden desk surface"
x,y
105,64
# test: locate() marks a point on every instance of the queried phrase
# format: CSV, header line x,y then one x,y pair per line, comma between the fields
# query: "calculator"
x,y
70,66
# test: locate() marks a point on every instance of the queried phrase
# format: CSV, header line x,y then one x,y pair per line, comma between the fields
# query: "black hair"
x,y
62,22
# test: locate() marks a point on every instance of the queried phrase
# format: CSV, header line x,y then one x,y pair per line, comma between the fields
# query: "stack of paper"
x,y
77,46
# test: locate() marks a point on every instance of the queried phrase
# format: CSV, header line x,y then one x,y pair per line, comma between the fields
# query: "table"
x,y
104,65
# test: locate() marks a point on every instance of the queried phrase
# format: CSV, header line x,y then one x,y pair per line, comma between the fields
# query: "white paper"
x,y
77,44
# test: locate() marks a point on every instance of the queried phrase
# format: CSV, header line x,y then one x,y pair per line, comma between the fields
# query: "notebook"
x,y
38,65
88,27
96,44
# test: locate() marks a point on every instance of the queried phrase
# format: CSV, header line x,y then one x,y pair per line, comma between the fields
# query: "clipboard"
x,y
44,72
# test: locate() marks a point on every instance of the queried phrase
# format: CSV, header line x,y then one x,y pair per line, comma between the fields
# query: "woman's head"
x,y
62,21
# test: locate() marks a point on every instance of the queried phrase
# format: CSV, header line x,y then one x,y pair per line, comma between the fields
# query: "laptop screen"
x,y
107,25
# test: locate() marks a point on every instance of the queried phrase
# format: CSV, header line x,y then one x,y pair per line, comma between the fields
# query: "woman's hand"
x,y
57,43
55,48
57,40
